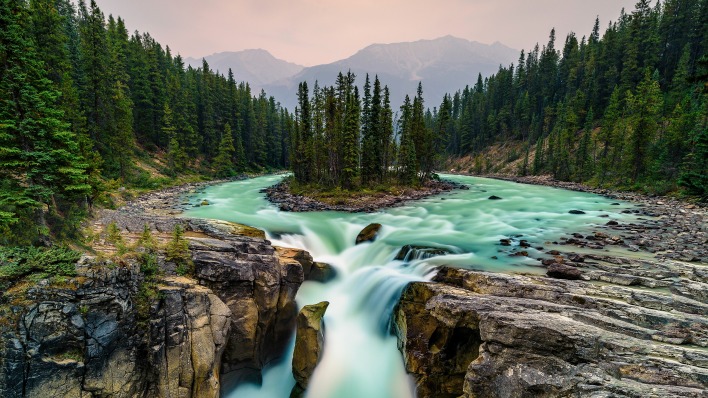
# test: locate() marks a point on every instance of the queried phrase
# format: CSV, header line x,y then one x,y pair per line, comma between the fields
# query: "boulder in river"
x,y
321,272
413,252
494,197
576,212
368,234
309,345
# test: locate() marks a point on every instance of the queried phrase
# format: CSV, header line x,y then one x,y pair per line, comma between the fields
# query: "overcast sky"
x,y
311,32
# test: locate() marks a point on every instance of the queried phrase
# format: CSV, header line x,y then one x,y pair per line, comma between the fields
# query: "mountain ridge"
x,y
443,65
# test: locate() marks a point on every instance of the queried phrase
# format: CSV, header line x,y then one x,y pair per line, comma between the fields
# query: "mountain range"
x,y
443,65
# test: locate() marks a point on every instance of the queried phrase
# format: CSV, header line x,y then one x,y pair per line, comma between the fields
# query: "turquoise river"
x,y
360,356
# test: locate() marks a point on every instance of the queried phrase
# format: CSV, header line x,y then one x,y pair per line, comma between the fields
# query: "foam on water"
x,y
360,357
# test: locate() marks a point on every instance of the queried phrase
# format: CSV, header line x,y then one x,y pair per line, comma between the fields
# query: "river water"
x,y
361,359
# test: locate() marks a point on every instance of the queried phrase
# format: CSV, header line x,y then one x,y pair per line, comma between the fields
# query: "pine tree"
x,y
350,137
644,107
223,162
387,142
120,138
40,160
584,165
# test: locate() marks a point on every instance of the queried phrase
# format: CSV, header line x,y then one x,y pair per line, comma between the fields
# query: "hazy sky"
x,y
311,32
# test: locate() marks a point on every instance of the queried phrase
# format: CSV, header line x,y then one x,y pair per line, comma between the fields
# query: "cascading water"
x,y
360,356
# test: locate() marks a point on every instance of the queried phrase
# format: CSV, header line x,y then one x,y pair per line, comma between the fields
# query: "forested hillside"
x,y
625,109
83,102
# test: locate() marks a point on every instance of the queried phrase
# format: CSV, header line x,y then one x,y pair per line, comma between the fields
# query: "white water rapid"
x,y
361,359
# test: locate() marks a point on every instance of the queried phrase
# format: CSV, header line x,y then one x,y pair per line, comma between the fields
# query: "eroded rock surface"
x,y
109,332
478,334
368,234
309,345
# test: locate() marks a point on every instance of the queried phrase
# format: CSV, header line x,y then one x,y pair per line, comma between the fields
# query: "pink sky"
x,y
311,32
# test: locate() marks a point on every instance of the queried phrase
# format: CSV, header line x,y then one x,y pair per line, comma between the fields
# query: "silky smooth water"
x,y
360,356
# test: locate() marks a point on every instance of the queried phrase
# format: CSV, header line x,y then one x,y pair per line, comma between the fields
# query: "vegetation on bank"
x,y
85,108
626,109
90,114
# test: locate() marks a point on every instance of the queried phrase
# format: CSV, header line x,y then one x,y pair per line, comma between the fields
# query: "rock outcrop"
x,y
110,332
86,337
312,270
478,334
309,345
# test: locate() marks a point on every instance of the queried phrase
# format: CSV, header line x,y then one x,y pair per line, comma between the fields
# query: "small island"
x,y
348,154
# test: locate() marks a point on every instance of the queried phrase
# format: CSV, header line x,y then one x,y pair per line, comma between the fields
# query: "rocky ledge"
x,y
115,331
281,195
621,313
479,334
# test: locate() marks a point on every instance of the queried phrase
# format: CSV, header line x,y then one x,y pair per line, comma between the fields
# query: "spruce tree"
x,y
644,107
223,162
40,160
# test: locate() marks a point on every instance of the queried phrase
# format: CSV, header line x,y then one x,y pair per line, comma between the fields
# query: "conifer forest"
x,y
84,102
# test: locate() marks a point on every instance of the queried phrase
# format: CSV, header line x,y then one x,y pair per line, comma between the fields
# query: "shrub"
x,y
18,262
147,241
177,252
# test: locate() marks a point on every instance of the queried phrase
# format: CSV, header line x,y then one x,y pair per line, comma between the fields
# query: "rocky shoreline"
x,y
621,312
666,227
281,196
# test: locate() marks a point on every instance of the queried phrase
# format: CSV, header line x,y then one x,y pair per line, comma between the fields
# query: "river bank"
x,y
614,314
667,227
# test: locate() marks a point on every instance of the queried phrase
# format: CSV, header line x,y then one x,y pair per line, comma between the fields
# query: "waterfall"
x,y
461,228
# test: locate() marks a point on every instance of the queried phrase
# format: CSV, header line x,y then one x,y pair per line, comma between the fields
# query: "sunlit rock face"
x,y
106,333
481,334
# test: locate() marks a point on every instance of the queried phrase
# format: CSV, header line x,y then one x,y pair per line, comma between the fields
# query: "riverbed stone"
x,y
368,234
562,271
412,252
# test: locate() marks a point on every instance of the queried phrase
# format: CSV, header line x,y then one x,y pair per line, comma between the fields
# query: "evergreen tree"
x,y
40,160
350,136
644,108
223,162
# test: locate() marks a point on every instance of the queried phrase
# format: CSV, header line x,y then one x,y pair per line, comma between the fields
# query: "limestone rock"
x,y
562,271
309,344
108,333
478,334
369,233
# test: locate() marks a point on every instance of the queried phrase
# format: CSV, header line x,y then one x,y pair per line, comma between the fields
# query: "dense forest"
x,y
344,141
85,106
83,103
628,109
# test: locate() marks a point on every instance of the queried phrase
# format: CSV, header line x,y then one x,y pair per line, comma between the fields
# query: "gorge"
x,y
360,356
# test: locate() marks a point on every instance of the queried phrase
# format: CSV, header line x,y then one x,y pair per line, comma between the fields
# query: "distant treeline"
x,y
626,109
81,99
